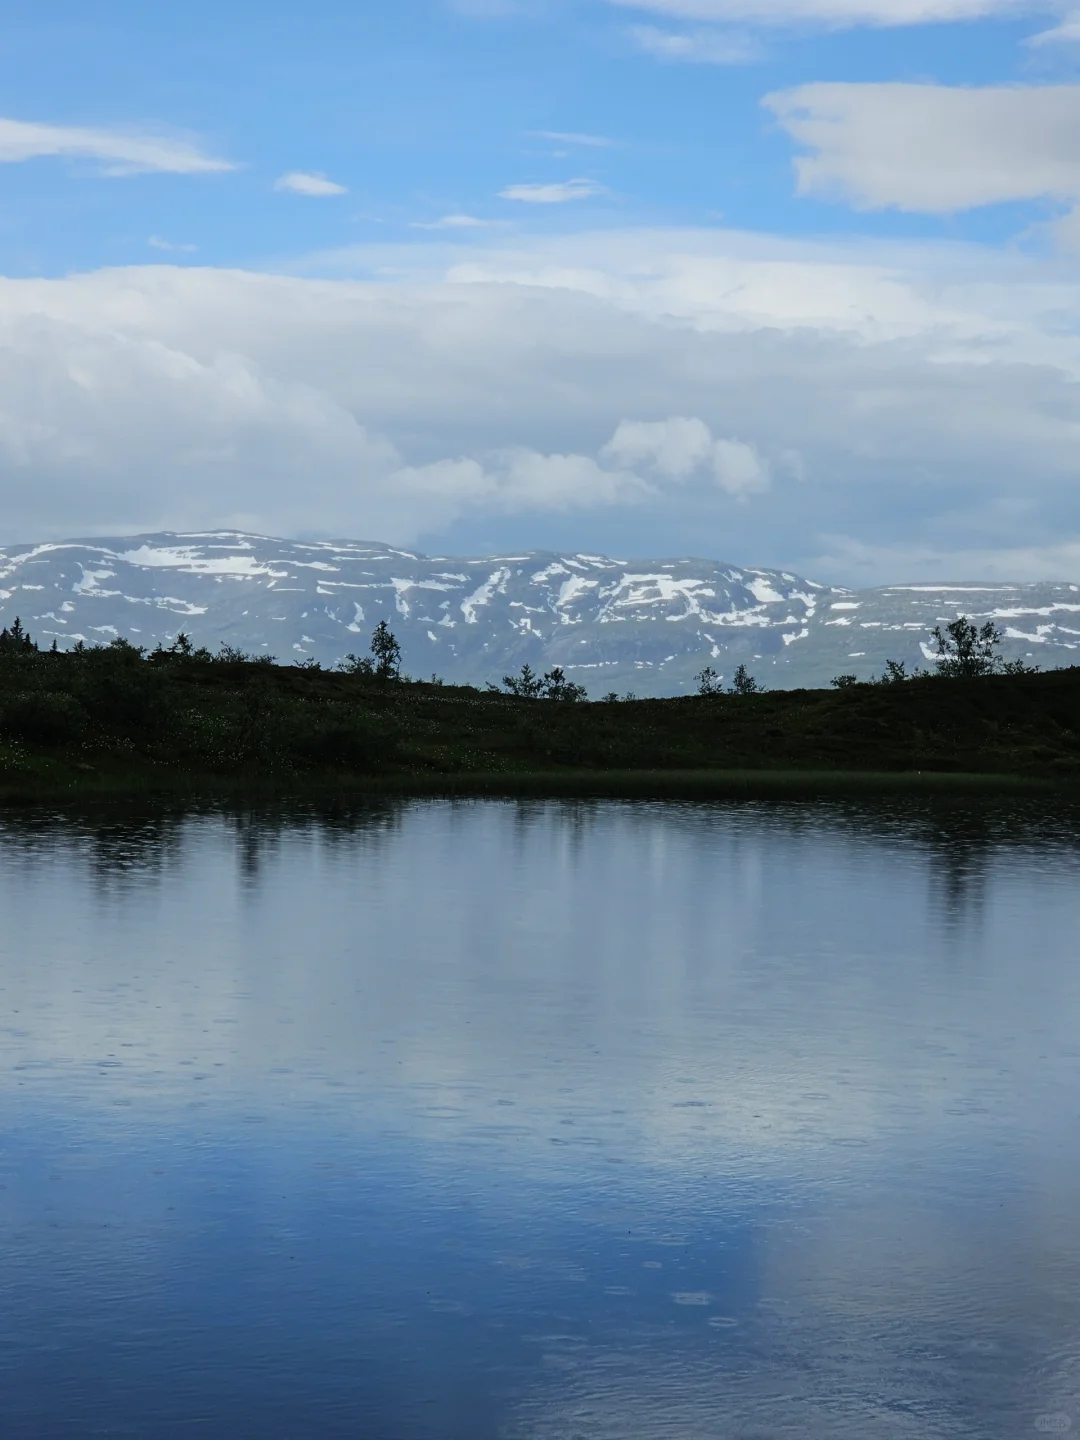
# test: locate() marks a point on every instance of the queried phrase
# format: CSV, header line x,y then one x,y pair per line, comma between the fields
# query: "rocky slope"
x,y
646,626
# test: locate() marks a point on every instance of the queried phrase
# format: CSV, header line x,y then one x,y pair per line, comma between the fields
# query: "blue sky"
x,y
186,190
421,110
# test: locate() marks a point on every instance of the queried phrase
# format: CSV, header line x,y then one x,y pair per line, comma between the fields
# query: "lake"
x,y
541,1121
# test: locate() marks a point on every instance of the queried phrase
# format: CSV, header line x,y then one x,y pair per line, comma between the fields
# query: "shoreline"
x,y
569,784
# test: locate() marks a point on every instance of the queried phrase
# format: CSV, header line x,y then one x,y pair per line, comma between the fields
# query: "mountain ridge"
x,y
646,626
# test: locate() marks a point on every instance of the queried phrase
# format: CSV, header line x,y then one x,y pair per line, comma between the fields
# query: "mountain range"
x,y
641,626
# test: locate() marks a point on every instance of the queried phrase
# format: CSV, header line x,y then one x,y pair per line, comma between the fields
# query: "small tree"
x,y
387,653
844,682
966,650
709,682
15,641
743,683
557,687
895,673
527,685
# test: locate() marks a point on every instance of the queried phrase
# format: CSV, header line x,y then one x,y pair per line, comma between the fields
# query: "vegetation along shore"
x,y
115,718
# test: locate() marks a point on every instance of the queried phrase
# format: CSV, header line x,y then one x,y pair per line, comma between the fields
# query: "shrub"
x,y
344,742
552,686
43,717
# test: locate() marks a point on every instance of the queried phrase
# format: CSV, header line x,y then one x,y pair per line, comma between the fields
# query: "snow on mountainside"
x,y
647,626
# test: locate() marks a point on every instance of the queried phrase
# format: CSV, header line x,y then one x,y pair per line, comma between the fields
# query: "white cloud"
x,y
835,13
123,152
560,192
675,447
697,47
157,243
300,182
453,222
572,137
934,148
1067,33
679,447
932,393
738,468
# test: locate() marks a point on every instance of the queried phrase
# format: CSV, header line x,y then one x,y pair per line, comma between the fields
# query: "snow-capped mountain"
x,y
647,626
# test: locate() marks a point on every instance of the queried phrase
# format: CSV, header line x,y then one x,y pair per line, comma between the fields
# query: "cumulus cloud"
x,y
934,148
301,182
679,447
929,395
836,13
122,152
156,418
560,192
697,47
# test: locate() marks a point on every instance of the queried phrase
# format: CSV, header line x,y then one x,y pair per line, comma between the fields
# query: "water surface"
x,y
552,1120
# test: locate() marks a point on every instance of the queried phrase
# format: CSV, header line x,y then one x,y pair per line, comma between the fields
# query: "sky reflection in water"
x,y
541,1120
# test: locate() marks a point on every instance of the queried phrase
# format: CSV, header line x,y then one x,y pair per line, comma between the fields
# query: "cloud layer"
x,y
934,148
748,398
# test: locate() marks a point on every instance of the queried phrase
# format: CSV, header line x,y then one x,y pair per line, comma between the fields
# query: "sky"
x,y
788,283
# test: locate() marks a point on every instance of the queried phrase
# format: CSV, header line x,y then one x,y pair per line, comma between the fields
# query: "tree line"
x,y
964,650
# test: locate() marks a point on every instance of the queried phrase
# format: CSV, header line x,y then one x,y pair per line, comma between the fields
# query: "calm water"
x,y
541,1120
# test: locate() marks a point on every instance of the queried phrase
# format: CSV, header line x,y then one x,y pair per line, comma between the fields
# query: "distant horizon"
x,y
955,583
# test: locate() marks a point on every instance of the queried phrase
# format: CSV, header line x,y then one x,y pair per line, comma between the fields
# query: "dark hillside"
x,y
124,717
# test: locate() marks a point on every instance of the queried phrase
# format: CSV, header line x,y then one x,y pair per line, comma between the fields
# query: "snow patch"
x,y
240,566
548,573
495,584
88,585
570,589
1040,637
1042,610
763,592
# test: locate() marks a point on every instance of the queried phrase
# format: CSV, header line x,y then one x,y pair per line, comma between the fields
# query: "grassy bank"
x,y
578,784
112,721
